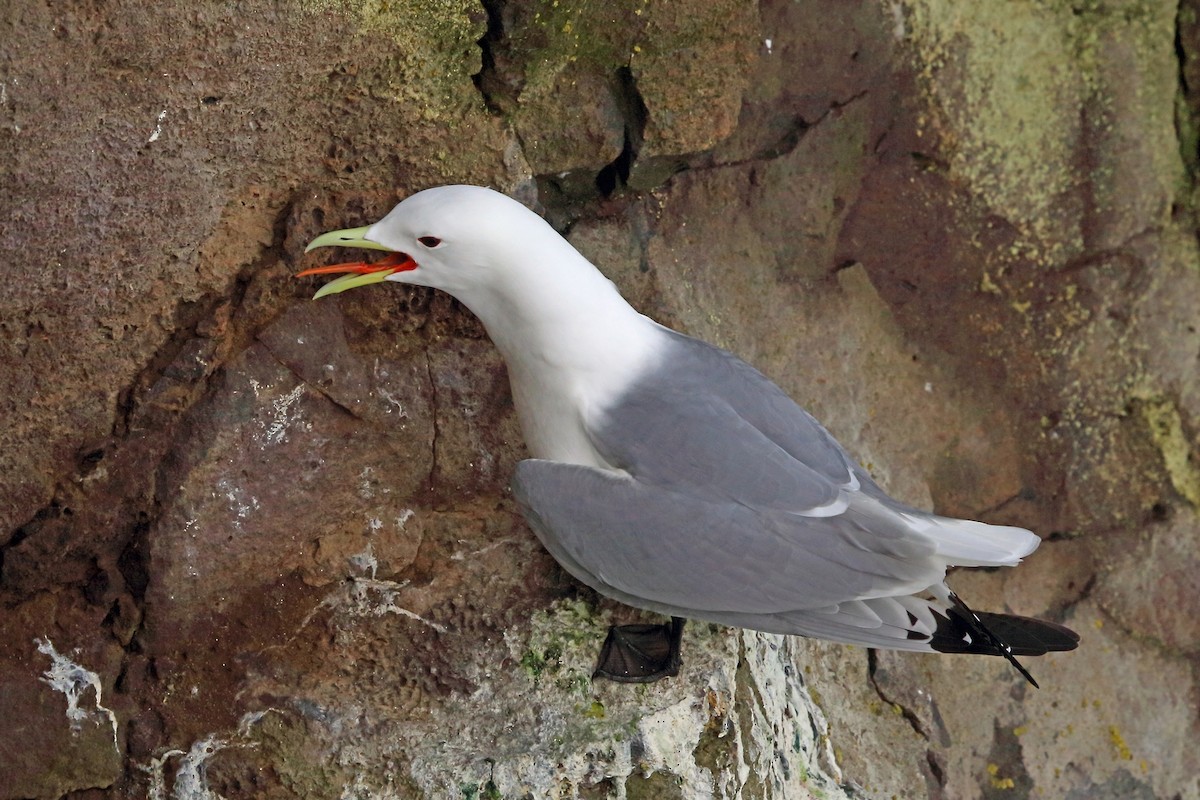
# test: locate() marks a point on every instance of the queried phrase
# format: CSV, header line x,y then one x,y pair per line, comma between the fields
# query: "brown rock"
x,y
276,533
65,732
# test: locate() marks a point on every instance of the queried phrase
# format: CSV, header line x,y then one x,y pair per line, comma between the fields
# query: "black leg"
x,y
641,653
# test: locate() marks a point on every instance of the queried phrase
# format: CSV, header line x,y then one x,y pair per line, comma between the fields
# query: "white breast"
x,y
568,380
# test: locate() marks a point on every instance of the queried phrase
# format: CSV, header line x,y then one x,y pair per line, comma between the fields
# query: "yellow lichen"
x,y
997,782
1009,127
1166,429
1123,751
986,284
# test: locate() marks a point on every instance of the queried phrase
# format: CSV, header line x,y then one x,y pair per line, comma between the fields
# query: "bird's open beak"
x,y
360,272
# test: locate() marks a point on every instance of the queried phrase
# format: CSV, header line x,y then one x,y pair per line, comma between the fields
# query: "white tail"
x,y
966,543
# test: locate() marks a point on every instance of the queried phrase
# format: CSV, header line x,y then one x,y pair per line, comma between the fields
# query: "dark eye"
x,y
429,241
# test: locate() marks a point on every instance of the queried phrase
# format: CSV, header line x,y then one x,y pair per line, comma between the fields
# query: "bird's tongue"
x,y
392,262
360,273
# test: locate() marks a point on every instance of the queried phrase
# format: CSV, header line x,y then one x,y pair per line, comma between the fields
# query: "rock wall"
x,y
255,546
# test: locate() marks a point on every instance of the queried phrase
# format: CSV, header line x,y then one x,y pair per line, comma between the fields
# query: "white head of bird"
x,y
568,337
499,259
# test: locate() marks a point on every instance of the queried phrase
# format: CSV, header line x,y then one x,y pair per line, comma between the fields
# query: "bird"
x,y
670,475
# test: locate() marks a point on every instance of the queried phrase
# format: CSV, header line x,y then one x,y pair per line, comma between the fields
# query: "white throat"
x,y
571,342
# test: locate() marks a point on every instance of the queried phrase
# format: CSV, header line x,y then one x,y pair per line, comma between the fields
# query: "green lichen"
x,y
688,60
562,640
565,31
299,758
551,34
1008,124
433,49
1016,93
539,663
576,683
480,791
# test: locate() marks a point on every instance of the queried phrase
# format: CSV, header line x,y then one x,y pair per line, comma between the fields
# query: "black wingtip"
x,y
1005,635
1028,636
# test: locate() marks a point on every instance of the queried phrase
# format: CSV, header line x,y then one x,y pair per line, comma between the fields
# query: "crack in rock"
x,y
905,711
433,411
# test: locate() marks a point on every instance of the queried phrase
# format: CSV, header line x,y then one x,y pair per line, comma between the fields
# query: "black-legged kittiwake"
x,y
672,476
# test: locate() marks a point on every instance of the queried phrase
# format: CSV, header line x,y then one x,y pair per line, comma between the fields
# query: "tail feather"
x,y
966,543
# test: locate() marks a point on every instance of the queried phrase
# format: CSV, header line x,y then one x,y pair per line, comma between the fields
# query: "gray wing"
x,y
734,501
708,423
680,553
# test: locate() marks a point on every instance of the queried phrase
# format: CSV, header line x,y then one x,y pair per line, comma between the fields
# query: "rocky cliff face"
x,y
254,546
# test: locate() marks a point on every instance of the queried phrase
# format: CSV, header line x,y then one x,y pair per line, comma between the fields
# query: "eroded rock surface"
x,y
254,546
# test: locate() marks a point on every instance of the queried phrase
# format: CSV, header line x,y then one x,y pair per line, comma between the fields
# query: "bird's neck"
x,y
558,311
572,345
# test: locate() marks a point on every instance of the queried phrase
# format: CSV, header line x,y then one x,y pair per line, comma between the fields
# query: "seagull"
x,y
672,476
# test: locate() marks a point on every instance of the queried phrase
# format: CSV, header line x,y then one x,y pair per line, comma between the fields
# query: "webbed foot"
x,y
641,653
